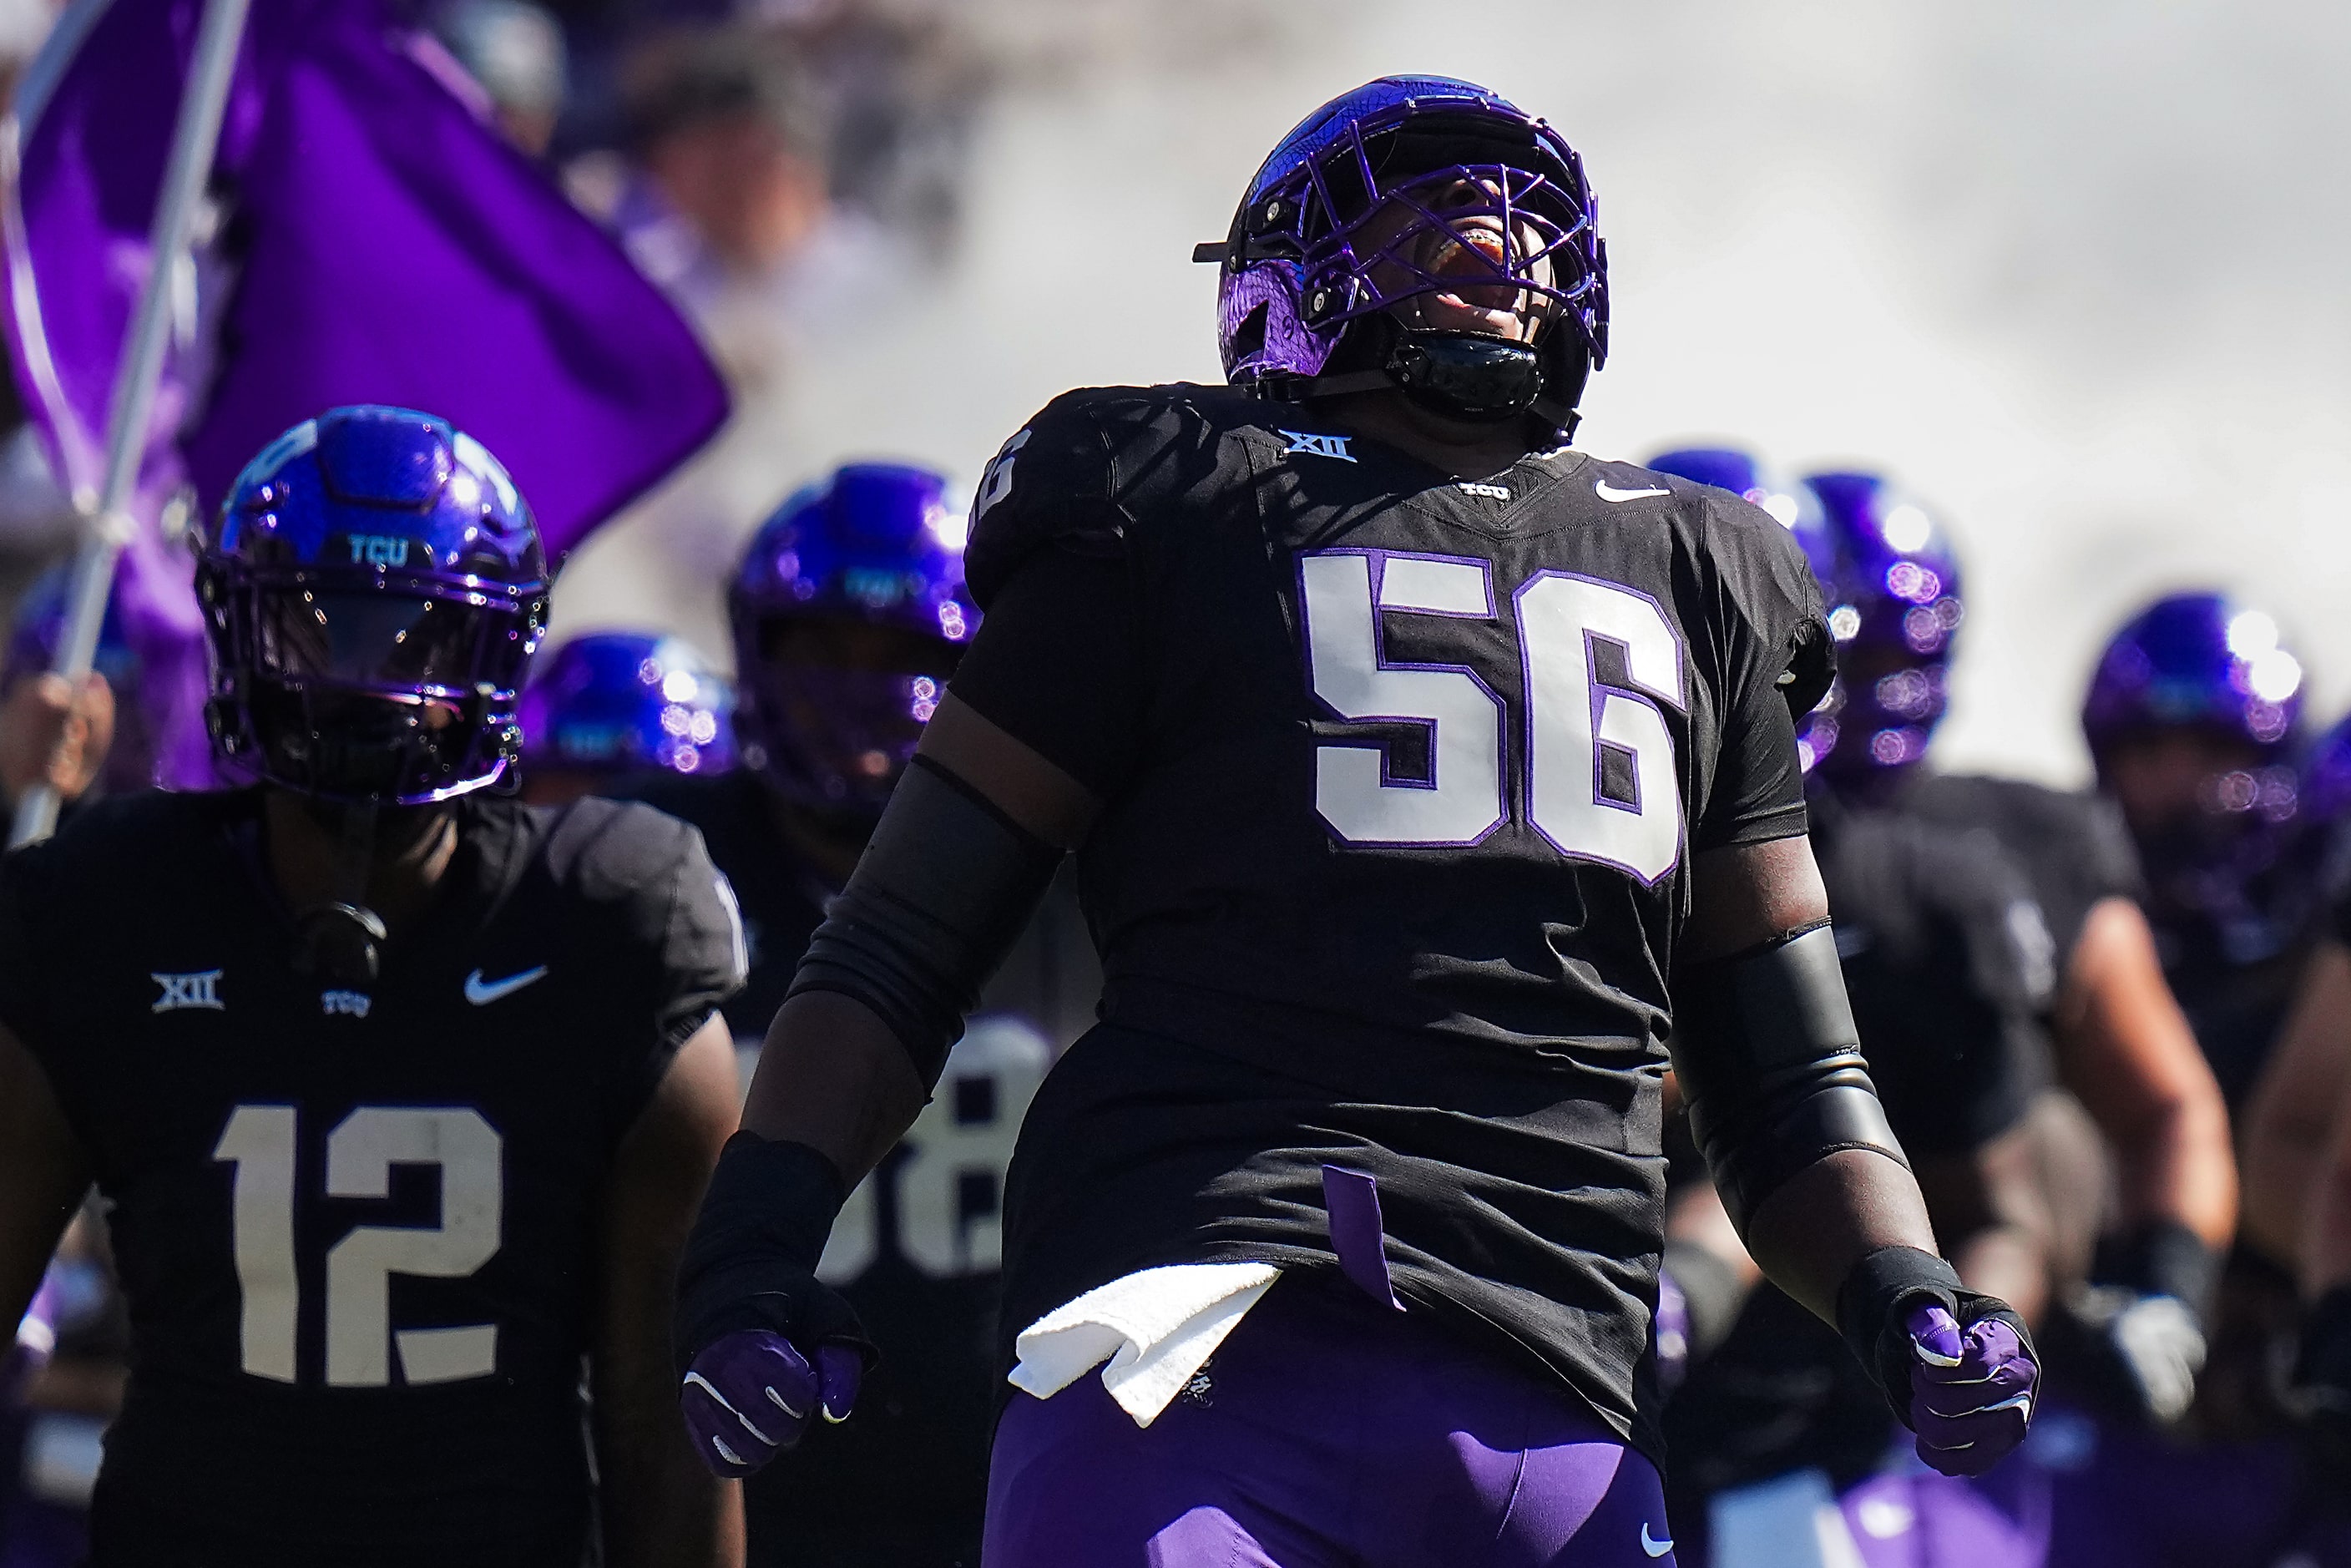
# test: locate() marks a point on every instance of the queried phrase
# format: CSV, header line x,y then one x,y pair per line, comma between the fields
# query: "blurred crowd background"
x,y
2069,270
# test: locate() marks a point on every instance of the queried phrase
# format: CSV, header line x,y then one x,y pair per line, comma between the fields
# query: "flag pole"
x,y
194,139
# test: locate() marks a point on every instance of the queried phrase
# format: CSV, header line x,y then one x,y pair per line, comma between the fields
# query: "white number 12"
x,y
1570,717
260,1142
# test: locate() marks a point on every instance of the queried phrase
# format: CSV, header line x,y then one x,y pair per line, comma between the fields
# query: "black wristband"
x,y
1872,1304
2162,1257
751,1259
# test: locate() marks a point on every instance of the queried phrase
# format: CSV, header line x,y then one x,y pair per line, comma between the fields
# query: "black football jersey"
x,y
2236,968
904,1482
1402,776
1947,960
357,1228
2071,843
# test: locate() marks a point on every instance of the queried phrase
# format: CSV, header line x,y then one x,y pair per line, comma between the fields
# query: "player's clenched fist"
x,y
1958,1367
763,1345
750,1396
1972,1389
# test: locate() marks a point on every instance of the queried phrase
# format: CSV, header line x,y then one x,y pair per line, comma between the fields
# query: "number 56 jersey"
x,y
358,1228
1404,774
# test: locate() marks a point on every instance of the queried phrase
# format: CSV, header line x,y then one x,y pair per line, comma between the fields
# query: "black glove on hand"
x,y
760,1341
2144,1307
1957,1367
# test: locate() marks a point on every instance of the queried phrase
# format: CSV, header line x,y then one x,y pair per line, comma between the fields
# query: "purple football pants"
x,y
1327,1432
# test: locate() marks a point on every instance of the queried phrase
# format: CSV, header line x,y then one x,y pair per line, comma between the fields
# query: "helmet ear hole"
x,y
1248,338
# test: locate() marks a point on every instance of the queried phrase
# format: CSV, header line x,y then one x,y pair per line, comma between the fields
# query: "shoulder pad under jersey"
x,y
1074,474
1762,569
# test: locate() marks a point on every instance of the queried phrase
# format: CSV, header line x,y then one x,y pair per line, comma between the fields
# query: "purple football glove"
x,y
749,1396
1971,1393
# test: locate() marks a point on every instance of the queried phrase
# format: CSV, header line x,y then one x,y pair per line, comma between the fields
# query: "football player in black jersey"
x,y
2123,1047
2193,719
401,1095
850,613
1425,775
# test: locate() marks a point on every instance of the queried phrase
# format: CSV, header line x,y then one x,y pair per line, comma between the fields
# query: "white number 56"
x,y
1572,720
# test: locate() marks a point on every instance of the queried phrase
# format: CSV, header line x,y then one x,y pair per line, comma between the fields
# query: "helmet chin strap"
x,y
1472,378
341,939
1467,376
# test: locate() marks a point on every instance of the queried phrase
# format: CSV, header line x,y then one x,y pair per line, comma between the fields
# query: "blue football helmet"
x,y
2196,660
1480,194
610,703
374,589
1891,586
829,714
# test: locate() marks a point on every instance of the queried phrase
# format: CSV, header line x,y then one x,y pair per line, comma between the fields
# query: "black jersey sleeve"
x,y
1052,484
1778,660
668,921
1057,661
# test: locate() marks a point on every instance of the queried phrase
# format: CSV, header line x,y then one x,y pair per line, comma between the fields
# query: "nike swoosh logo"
x,y
481,993
1654,1548
1608,492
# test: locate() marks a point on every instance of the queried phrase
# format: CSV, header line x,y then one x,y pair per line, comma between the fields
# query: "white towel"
x,y
1155,1328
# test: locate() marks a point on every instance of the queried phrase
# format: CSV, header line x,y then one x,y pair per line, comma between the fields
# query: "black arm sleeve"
x,y
941,894
1767,1056
1056,665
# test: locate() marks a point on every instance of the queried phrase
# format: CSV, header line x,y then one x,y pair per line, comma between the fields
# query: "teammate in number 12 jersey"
x,y
400,1092
1428,778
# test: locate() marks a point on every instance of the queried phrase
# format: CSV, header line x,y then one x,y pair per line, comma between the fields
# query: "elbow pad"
x,y
941,894
1770,1063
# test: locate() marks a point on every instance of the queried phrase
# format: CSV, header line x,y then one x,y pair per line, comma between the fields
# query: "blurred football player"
x,y
2297,1135
2123,1048
2193,719
850,613
1425,776
608,706
401,1095
2289,1123
1948,974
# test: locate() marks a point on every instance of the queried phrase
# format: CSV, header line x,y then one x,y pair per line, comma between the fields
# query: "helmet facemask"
x,y
369,690
1329,261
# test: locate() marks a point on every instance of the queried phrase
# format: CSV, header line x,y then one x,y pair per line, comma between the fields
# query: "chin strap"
x,y
1463,376
340,940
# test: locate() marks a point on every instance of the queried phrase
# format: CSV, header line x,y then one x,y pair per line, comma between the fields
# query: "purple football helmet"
x,y
848,614
1891,585
2200,661
610,703
1308,258
374,589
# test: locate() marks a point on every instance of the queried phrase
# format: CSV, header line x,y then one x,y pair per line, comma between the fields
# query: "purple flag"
x,y
370,239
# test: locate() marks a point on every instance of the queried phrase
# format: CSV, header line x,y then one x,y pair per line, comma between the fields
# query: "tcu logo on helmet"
x,y
377,550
